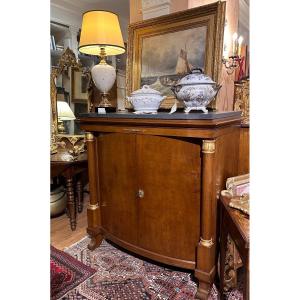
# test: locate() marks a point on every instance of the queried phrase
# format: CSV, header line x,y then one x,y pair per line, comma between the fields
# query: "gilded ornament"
x,y
208,146
89,137
206,243
230,270
241,100
93,206
72,144
241,203
67,60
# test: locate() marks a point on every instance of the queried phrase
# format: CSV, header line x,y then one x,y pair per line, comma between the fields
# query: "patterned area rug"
x,y
66,273
121,276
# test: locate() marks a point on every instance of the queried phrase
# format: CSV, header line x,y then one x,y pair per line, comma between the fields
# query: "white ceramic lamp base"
x,y
104,77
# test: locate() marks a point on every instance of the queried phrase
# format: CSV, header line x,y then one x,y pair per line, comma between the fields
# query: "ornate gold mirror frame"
x,y
67,60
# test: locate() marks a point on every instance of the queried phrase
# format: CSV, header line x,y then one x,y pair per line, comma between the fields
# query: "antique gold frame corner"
x,y
212,15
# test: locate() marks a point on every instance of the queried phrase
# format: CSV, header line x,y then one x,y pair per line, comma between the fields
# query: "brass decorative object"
x,y
72,144
140,193
76,151
60,127
93,206
206,243
89,136
241,99
208,146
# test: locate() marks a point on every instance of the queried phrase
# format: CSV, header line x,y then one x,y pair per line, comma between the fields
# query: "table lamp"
x,y
64,113
101,35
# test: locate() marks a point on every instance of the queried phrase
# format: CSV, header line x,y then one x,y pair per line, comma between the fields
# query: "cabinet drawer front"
x,y
169,209
117,181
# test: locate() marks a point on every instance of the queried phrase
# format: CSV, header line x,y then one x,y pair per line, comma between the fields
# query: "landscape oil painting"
x,y
167,57
164,49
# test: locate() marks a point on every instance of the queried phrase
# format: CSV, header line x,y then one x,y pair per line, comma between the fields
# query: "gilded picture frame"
x,y
67,60
80,82
211,17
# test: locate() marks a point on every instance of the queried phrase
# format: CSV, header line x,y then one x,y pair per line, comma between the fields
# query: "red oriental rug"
x,y
121,276
66,273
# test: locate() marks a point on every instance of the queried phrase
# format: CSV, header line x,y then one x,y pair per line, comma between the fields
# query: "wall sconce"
x,y
235,59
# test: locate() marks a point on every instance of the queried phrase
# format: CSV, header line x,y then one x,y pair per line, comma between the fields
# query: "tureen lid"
x,y
146,90
196,77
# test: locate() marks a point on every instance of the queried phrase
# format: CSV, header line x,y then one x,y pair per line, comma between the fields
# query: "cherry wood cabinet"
x,y
155,181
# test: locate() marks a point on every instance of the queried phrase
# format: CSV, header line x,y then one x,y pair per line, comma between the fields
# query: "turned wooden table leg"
x,y
79,193
205,261
71,203
93,209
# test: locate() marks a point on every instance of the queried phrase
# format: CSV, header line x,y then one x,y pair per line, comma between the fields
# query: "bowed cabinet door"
x,y
117,182
169,206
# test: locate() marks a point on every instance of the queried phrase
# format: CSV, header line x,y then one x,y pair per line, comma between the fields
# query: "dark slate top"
x,y
166,116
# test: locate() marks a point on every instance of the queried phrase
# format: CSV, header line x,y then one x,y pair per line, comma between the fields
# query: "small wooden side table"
x,y
235,224
61,165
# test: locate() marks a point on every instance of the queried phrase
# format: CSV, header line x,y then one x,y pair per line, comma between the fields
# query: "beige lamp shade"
x,y
64,111
101,29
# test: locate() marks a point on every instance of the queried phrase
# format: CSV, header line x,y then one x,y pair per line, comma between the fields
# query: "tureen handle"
x,y
196,70
146,86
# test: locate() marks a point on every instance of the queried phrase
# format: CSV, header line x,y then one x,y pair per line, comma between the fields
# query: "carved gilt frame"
x,y
212,16
67,60
242,99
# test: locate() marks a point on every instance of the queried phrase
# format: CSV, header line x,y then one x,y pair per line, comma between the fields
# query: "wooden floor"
x,y
61,234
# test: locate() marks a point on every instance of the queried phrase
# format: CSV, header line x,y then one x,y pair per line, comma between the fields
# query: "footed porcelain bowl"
x,y
196,90
146,100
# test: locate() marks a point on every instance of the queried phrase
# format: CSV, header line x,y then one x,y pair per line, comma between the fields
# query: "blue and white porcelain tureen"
x,y
196,90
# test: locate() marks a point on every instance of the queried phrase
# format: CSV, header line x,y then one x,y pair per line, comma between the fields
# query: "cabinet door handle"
x,y
140,193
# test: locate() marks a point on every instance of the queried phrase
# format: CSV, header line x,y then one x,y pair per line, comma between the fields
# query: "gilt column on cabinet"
x,y
205,261
93,209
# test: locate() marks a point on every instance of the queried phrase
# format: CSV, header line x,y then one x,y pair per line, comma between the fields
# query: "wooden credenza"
x,y
154,183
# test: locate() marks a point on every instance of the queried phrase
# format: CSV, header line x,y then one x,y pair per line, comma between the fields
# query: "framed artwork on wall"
x,y
79,85
162,50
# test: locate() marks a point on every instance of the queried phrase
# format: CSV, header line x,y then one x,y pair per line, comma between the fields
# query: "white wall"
x,y
64,13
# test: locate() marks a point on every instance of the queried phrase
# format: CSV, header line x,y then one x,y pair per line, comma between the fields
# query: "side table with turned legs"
x,y
71,171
